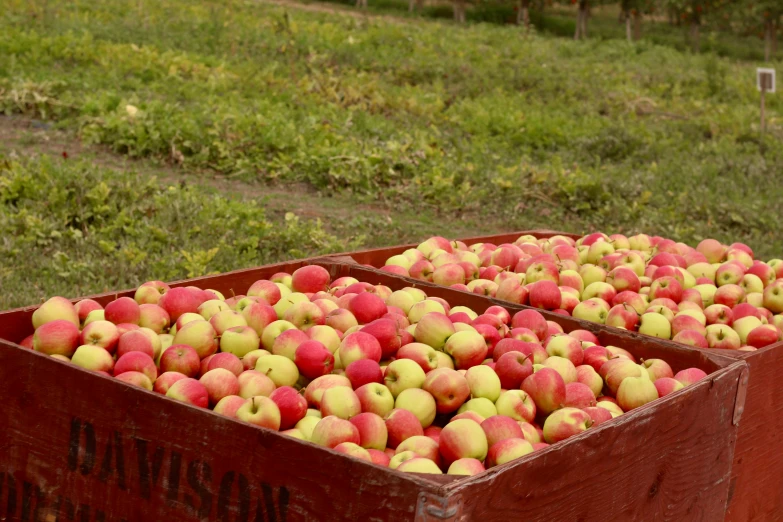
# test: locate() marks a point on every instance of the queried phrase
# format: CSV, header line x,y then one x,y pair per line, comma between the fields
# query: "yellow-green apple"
x,y
165,380
777,266
689,376
693,310
95,315
315,389
85,306
401,425
220,383
483,382
250,358
591,273
402,374
100,333
57,337
740,256
260,411
707,293
619,352
363,372
566,347
422,446
751,284
341,319
598,250
634,392
399,458
273,330
198,334
326,335
516,404
501,427
621,371
56,308
208,309
258,316
773,296
759,337
419,465
565,423
305,315
91,357
547,389
610,406
354,450
402,300
375,398
587,375
448,274
467,466
579,395
657,369
123,310
467,348
595,310
599,290
744,325
469,414
656,325
572,279
310,279
372,430
563,366
150,292
666,385
512,368
461,439
544,270
184,319
507,450
433,329
755,299
189,391
134,378
420,403
341,402
400,260
448,387
703,270
634,300
239,341
424,355
729,273
253,383
226,319
180,358
291,404
287,301
280,369
307,425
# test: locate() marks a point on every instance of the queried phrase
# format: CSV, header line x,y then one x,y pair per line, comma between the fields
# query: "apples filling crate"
x,y
322,389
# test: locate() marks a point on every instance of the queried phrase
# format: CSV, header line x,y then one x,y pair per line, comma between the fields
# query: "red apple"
x,y
101,333
180,358
512,368
667,385
165,380
547,389
565,423
123,310
190,391
401,424
689,376
58,337
291,404
310,279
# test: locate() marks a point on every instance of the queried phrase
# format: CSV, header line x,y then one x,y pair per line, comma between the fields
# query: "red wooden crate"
x,y
756,492
104,450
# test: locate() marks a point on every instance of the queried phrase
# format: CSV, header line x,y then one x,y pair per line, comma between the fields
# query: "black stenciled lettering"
x,y
175,469
269,500
64,507
83,514
10,510
32,496
274,511
282,503
100,516
74,446
148,478
114,447
224,497
199,476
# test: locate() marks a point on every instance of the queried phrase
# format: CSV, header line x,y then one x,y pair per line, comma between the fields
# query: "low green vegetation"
x,y
444,129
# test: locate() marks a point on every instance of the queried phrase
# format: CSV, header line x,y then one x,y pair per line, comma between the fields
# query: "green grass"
x,y
444,129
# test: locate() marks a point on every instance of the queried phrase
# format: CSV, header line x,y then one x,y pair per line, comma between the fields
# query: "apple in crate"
x,y
95,358
57,337
462,438
565,423
260,411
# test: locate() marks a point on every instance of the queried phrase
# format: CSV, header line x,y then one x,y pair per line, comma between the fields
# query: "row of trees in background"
x,y
762,18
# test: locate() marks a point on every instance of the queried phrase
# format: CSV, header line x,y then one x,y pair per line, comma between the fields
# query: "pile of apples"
x,y
711,296
395,378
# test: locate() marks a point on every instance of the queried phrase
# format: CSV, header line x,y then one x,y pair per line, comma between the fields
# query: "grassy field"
x,y
384,129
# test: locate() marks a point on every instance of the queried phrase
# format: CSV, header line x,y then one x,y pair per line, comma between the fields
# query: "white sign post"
x,y
765,81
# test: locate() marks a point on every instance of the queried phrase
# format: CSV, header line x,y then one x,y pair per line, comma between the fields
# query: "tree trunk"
x,y
637,25
628,27
581,20
411,5
459,11
523,14
694,30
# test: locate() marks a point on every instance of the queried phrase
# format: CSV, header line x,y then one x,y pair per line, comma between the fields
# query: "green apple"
x,y
656,325
483,382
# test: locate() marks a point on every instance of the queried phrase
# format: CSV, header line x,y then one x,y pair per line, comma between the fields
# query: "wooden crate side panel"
x,y
669,460
102,450
756,492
